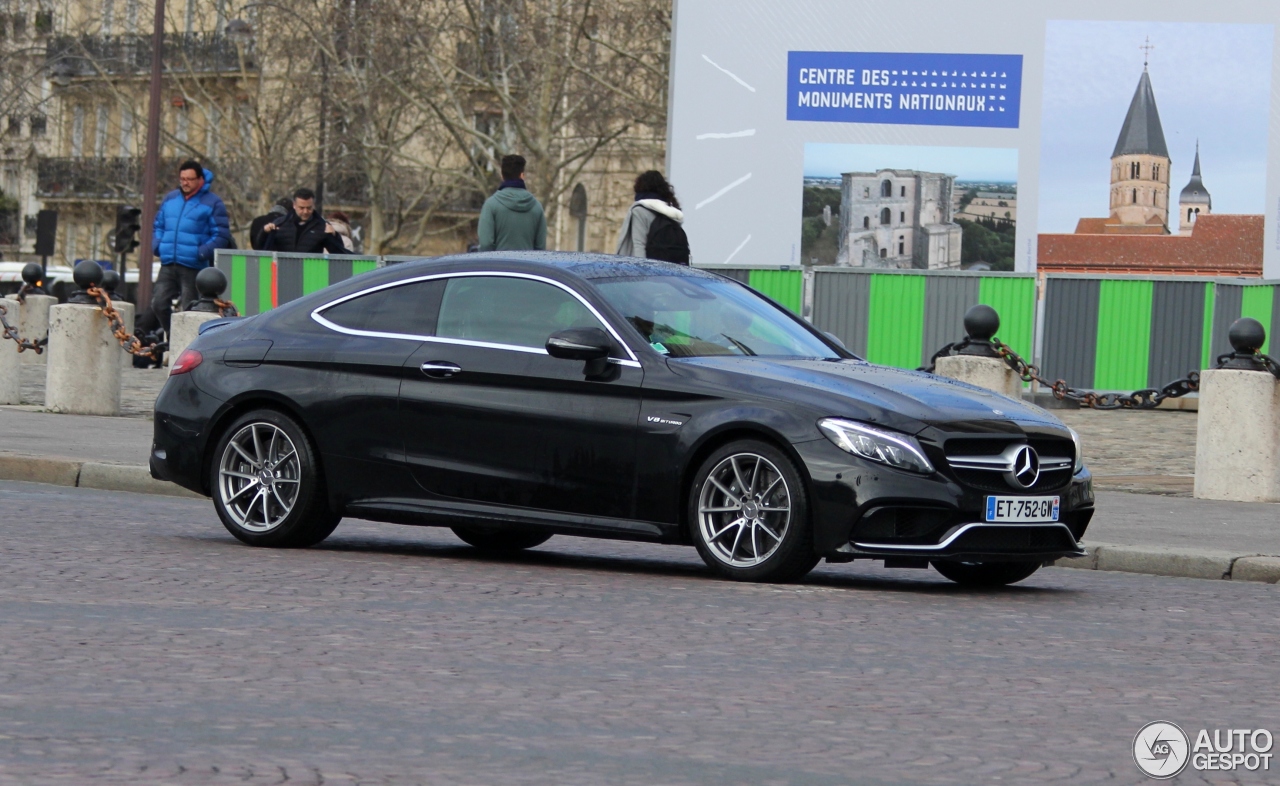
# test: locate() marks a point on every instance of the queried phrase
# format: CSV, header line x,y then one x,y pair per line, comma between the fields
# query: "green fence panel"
x,y
1206,341
363,266
266,285
239,281
895,320
784,286
1256,302
1124,335
315,275
1014,299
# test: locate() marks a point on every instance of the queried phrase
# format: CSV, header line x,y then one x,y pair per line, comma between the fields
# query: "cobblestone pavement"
x,y
1151,451
140,644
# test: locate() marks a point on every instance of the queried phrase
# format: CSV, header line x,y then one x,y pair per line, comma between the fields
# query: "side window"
x,y
409,309
514,311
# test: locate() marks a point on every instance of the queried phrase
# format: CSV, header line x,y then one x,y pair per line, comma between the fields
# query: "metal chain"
x,y
10,332
1148,398
127,340
226,308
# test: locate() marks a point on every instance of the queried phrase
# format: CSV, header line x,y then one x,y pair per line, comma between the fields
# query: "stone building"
x,y
1194,201
898,218
1140,169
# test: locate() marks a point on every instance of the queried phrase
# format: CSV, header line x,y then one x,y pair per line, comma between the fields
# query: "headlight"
x,y
897,450
1079,465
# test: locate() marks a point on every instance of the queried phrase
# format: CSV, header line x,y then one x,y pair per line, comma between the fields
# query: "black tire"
x,y
270,521
787,542
498,539
986,574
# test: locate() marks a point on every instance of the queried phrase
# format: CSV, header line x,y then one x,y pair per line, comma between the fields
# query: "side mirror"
x,y
835,338
587,344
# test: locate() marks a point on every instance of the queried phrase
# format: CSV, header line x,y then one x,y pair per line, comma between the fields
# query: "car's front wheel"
x,y
499,540
267,485
749,514
986,574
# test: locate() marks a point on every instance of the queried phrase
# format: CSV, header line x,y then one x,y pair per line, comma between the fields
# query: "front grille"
x,y
1049,449
903,526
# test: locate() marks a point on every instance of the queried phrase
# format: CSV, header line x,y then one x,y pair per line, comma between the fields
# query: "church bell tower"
x,y
1140,167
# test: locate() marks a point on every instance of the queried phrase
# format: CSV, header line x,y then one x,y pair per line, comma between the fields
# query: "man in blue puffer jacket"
x,y
190,224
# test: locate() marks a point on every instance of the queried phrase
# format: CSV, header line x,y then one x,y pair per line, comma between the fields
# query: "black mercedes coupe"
x,y
515,396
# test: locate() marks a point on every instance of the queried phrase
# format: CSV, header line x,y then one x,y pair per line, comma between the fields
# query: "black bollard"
x,y
33,275
1247,335
980,324
210,283
87,274
110,284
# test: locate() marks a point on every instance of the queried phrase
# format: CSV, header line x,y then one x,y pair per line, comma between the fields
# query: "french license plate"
x,y
1022,509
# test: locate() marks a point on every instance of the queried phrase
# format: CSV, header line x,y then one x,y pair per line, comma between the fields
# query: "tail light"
x,y
189,359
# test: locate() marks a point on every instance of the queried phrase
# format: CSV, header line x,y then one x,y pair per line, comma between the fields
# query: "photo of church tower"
x,y
1144,231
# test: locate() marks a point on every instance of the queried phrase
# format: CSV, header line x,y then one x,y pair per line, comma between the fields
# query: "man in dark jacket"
x,y
277,213
191,223
304,231
512,219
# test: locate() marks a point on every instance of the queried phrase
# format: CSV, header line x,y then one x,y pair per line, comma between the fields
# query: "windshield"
x,y
689,317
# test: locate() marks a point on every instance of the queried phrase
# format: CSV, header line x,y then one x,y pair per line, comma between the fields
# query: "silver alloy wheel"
x,y
744,510
259,477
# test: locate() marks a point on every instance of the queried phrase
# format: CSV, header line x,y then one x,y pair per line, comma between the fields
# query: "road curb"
x,y
88,474
1177,562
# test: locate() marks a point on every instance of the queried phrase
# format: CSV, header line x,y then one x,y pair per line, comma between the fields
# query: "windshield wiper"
x,y
743,348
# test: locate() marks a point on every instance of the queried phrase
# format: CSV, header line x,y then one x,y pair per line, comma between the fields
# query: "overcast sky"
x,y
1211,81
986,164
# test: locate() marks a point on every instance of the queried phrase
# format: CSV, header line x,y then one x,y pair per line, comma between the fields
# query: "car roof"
x,y
583,265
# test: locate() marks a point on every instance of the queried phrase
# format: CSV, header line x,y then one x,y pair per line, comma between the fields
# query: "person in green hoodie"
x,y
511,219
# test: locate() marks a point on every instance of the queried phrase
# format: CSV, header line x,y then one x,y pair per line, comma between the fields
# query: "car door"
x,y
489,417
352,367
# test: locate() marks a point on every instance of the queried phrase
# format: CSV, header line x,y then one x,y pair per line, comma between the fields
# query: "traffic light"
x,y
128,222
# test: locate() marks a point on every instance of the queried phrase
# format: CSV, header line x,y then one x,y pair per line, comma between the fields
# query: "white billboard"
x,y
985,135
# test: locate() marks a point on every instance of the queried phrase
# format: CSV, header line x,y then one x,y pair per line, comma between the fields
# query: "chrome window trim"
x,y
966,528
630,361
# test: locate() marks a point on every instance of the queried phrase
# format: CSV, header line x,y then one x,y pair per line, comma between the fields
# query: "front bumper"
x,y
864,510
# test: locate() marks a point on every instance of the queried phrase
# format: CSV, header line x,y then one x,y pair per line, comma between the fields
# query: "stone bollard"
x,y
10,375
35,313
83,376
978,364
1238,426
110,281
210,283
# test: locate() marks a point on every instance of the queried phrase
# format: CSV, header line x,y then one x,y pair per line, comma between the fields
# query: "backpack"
x,y
666,240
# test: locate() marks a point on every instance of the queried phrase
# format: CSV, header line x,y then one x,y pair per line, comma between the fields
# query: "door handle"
x,y
437,369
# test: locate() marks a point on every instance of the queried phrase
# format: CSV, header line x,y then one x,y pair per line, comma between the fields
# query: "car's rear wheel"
x,y
499,540
749,514
267,485
986,574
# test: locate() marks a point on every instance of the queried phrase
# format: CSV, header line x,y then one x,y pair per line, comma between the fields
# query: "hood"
x,y
908,401
658,206
516,199
208,181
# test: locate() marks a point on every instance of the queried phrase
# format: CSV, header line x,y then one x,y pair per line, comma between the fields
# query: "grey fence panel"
x,y
1227,303
736,273
252,285
1177,330
288,279
840,306
946,298
1071,330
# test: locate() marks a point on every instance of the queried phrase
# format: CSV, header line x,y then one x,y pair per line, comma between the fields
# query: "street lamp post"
x,y
151,161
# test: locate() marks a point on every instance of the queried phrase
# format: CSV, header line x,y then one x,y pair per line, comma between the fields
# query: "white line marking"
x,y
739,248
732,75
723,191
732,135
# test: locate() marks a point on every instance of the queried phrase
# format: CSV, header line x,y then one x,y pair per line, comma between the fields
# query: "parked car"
x,y
515,396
